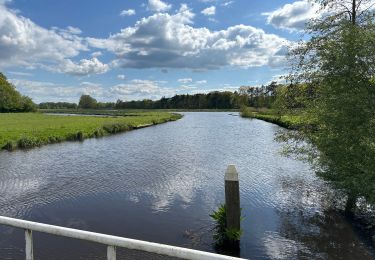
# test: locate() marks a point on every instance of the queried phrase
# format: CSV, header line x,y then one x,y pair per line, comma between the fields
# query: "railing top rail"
x,y
150,247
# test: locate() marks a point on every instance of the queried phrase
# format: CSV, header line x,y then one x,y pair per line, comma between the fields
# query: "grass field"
x,y
27,130
269,115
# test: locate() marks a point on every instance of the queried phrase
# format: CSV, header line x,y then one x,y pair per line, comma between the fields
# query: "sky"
x,y
132,50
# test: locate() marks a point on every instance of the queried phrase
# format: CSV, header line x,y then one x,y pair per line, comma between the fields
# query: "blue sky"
x,y
58,50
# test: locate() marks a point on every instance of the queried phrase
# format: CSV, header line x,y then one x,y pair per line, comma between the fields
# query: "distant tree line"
x,y
11,100
264,96
212,100
57,105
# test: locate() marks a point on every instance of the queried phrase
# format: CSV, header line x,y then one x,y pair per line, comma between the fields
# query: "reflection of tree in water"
x,y
312,226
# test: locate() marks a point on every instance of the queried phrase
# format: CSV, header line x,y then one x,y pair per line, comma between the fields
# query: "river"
x,y
161,183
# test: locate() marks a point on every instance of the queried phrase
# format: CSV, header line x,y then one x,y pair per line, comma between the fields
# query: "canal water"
x,y
161,183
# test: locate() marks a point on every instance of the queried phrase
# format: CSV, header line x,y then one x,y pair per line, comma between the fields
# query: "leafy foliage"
x,y
222,234
339,63
87,102
11,100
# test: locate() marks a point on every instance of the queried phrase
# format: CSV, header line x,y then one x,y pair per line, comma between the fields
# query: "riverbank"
x,y
292,122
28,130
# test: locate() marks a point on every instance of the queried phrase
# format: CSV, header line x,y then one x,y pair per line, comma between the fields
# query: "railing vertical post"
x,y
111,253
29,245
232,198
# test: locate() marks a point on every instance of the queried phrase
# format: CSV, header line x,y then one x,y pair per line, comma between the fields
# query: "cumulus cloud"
x,y
128,12
96,54
121,76
82,68
293,16
24,43
42,91
209,11
48,91
158,6
171,41
141,89
185,80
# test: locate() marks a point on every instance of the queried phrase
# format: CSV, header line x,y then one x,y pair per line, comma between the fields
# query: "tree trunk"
x,y
350,205
354,12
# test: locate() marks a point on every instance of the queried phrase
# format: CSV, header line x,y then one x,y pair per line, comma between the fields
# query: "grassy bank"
x,y
27,130
269,115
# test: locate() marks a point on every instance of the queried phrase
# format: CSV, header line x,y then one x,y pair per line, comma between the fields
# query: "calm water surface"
x,y
161,183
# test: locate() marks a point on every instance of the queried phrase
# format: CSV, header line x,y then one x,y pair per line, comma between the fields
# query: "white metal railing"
x,y
111,241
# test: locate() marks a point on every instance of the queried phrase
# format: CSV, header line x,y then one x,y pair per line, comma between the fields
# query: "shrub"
x,y
99,132
28,142
10,145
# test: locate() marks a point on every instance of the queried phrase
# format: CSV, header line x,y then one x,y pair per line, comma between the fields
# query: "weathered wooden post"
x,y
29,245
232,198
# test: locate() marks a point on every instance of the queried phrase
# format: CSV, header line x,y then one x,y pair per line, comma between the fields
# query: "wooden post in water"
x,y
232,198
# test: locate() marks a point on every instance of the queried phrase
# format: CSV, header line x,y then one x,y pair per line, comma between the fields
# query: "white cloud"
x,y
158,6
209,11
141,89
121,76
134,90
186,87
96,54
24,43
227,3
171,41
73,30
201,82
47,91
83,68
185,80
293,16
18,73
128,12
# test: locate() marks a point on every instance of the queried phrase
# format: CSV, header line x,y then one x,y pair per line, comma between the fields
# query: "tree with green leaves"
x,y
11,100
338,61
87,102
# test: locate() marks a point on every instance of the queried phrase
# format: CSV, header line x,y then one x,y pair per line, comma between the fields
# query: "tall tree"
x,y
338,60
11,100
87,102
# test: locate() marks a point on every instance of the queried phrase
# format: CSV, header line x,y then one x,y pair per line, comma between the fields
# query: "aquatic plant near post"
x,y
224,236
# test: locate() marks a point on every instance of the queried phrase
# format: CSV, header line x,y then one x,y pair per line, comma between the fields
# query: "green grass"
x,y
27,130
269,115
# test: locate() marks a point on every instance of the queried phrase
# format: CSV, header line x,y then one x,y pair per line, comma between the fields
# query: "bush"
x,y
28,142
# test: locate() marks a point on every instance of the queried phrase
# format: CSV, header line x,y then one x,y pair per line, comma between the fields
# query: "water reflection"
x,y
161,183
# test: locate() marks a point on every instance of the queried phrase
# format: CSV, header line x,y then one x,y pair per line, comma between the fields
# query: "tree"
x,y
87,102
338,61
11,100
